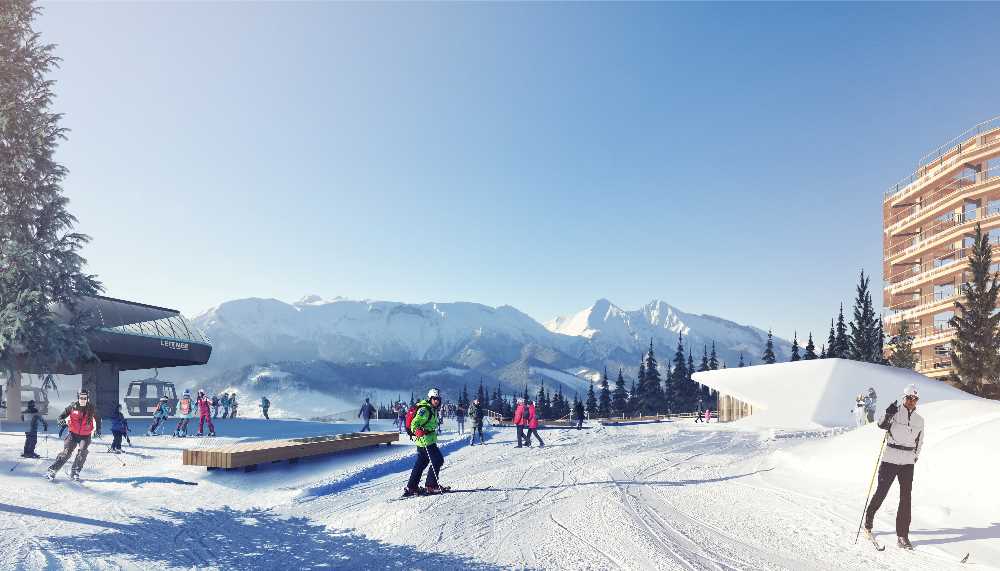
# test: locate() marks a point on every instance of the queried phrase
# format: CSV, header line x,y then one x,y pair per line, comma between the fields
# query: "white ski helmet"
x,y
434,394
911,391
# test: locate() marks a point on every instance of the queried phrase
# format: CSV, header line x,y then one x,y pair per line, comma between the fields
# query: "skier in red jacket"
x,y
82,420
205,414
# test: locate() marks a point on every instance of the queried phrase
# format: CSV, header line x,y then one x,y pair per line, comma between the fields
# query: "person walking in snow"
x,y
400,411
160,416
476,414
424,427
870,399
204,414
82,421
224,403
31,435
708,415
578,414
185,412
119,429
365,414
533,426
264,405
859,410
234,405
460,419
521,421
215,406
904,438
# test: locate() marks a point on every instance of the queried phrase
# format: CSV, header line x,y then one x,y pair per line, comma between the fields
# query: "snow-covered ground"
x,y
663,496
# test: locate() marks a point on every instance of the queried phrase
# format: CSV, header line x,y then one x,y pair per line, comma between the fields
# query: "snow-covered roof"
x,y
818,393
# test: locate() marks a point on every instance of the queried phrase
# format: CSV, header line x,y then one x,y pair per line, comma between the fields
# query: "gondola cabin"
x,y
143,396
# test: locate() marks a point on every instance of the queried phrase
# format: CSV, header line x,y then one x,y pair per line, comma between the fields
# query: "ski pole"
x,y
870,484
437,477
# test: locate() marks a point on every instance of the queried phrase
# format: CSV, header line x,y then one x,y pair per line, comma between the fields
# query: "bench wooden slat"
x,y
250,453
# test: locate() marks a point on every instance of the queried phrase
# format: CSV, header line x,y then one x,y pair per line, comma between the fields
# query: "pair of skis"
x,y
881,547
443,492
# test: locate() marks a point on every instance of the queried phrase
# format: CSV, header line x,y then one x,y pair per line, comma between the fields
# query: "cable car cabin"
x,y
143,396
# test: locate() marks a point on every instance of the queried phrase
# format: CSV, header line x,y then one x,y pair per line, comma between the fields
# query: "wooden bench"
x,y
248,455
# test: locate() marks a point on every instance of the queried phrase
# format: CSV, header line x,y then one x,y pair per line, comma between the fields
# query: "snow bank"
x,y
818,393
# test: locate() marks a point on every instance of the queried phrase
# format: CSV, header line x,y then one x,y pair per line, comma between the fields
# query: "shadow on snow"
x,y
252,539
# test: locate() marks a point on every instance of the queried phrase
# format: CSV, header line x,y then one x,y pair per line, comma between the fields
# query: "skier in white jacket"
x,y
905,438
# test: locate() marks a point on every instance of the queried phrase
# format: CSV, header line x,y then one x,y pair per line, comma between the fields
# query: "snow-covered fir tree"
x,y
901,347
650,385
591,405
39,253
768,356
810,353
831,342
619,397
742,364
713,359
976,349
795,347
841,342
604,397
864,342
678,376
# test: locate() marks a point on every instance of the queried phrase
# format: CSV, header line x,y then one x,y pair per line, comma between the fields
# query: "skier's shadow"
x,y
252,539
959,534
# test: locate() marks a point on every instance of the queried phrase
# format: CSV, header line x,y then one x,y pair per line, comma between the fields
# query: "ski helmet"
x,y
433,393
911,391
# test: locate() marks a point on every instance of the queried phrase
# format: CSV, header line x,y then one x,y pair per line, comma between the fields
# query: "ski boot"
x,y
904,543
436,489
418,491
75,476
211,434
50,475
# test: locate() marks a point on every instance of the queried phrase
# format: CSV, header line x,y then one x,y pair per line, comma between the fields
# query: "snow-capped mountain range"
x,y
452,343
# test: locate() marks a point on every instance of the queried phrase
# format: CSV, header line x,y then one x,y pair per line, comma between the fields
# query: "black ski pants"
x,y
30,440
116,443
477,429
886,474
520,435
428,454
533,431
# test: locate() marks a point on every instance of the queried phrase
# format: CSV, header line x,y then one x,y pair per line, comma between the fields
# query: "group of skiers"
x,y
864,407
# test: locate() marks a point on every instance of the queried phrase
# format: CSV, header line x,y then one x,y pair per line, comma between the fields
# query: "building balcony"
x,y
948,197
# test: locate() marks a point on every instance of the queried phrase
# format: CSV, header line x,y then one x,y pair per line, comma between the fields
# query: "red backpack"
x,y
410,413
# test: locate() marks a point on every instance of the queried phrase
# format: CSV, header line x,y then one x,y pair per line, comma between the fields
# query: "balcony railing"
x,y
942,227
942,362
174,327
947,192
936,158
921,302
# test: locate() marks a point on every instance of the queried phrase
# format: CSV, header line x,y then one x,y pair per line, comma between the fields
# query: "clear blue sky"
x,y
729,159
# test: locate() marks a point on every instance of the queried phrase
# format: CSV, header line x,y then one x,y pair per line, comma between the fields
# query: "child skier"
x,y
204,414
82,420
160,415
31,436
119,428
185,411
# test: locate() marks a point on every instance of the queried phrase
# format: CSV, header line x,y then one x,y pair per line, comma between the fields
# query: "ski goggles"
x,y
912,398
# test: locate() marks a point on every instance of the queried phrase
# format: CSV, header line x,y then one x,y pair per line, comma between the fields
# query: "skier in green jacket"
x,y
424,426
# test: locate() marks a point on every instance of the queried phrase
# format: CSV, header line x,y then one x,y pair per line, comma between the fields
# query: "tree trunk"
x,y
14,406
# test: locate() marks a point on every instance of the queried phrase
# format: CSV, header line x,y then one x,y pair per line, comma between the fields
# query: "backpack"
x,y
410,413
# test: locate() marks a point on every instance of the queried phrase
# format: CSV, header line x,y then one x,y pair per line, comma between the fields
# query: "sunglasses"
x,y
912,398
83,398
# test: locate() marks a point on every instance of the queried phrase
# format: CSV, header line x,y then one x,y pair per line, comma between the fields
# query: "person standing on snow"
x,y
215,406
578,414
365,414
476,414
460,419
185,411
521,421
119,428
424,427
234,405
224,403
264,405
533,426
905,438
160,416
82,420
859,410
31,436
870,399
204,414
400,411
708,414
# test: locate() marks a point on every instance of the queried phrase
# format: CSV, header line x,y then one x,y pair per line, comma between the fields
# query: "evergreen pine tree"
x,y
880,343
863,343
463,399
559,408
481,393
841,340
795,347
703,366
633,400
903,355
822,352
741,360
768,357
831,344
650,388
619,397
678,376
604,399
591,405
40,263
713,359
810,353
975,352
542,405
577,407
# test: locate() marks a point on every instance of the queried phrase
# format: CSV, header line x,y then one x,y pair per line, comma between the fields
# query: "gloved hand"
x,y
892,409
419,432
